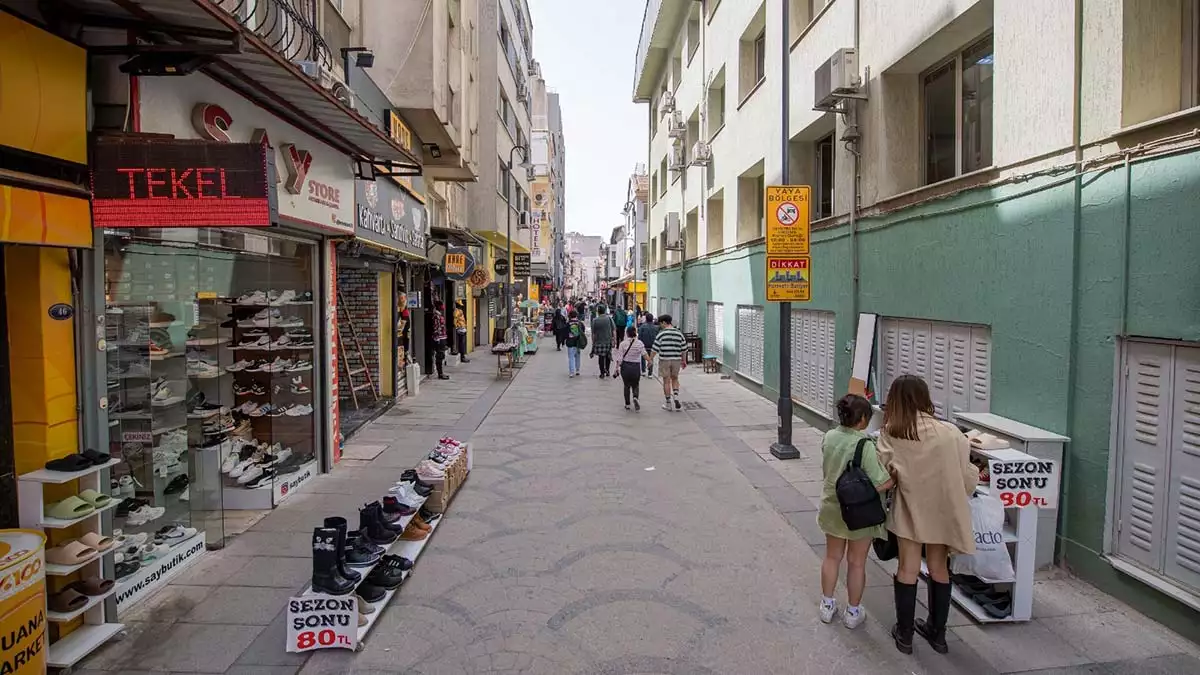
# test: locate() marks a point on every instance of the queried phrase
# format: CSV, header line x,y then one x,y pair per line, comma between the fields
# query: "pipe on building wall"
x,y
856,154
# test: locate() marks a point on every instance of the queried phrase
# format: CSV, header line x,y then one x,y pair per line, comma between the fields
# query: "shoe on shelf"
x,y
177,485
173,534
414,534
301,366
410,476
277,299
392,504
301,410
262,479
253,298
327,576
387,574
144,515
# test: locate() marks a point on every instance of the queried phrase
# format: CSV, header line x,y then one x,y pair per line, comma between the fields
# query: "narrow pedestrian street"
x,y
589,539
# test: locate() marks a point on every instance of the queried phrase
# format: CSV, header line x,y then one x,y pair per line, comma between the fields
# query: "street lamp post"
x,y
508,236
783,448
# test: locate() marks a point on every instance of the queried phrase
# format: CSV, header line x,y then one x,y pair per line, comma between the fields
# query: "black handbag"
x,y
886,549
860,502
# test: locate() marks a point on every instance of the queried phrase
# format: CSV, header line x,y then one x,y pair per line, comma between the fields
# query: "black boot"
x,y
934,630
340,525
906,607
389,522
327,577
372,525
410,475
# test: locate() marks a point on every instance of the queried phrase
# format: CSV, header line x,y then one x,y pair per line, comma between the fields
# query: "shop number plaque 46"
x,y
322,622
1025,483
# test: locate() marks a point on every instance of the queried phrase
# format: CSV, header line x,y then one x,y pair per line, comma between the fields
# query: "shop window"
x,y
813,359
1158,461
823,172
957,100
955,360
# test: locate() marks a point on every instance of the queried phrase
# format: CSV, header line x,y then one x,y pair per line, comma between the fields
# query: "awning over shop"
x,y
497,239
454,235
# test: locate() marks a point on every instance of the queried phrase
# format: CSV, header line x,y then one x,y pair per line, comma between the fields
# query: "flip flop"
x,y
96,499
70,463
97,541
96,457
71,553
70,509
91,586
67,600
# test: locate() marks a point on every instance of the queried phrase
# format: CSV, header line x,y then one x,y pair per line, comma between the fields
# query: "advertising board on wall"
x,y
315,181
390,217
539,221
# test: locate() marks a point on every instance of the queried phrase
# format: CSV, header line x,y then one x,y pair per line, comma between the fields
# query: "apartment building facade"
x,y
548,155
1008,192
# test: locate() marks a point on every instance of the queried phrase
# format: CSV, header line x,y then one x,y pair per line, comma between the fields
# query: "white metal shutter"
x,y
812,358
750,339
1145,434
1183,491
692,322
714,331
953,359
676,315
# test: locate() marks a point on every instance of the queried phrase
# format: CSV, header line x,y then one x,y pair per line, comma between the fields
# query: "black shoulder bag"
x,y
861,504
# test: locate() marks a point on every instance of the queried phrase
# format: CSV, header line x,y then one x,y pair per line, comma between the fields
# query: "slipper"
x,y
97,541
96,457
70,509
124,569
70,463
67,600
71,553
91,586
96,499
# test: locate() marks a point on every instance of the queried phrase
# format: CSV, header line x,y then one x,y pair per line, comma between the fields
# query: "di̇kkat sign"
x,y
1025,483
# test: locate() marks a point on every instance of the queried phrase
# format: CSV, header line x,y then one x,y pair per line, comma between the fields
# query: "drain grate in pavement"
x,y
693,405
753,427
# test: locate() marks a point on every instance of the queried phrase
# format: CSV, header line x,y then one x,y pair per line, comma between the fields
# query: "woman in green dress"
x,y
837,450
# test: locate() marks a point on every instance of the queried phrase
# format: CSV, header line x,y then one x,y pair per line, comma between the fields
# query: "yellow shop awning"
x,y
499,240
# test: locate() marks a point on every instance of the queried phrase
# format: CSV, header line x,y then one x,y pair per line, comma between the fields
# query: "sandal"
x,y
70,509
96,457
96,499
67,600
97,541
70,553
124,569
70,464
92,586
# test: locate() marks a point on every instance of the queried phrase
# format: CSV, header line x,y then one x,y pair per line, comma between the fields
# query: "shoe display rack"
x,y
374,561
97,625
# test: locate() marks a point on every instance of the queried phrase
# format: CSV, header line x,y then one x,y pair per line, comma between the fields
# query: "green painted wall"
x,y
1042,263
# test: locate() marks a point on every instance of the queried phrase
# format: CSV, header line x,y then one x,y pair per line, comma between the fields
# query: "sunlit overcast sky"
x,y
587,50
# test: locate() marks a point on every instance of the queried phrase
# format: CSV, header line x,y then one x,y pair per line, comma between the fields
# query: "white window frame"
x,y
957,60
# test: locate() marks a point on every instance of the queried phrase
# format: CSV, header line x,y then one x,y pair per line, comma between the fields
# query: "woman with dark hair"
x,y
558,324
837,450
930,461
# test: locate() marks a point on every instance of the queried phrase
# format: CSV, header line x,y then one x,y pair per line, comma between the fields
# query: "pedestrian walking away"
x,y
439,339
631,353
646,333
671,349
576,340
460,330
604,333
930,460
558,324
839,450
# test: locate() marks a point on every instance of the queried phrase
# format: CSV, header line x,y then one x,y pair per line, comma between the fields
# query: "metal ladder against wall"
x,y
363,369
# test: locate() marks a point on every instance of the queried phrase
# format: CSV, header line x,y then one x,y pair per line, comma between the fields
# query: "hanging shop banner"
x,y
140,182
521,265
479,278
320,621
23,602
390,217
787,209
458,263
539,219
315,183
788,278
1025,483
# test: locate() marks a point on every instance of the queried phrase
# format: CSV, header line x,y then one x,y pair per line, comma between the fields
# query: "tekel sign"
x,y
1025,483
521,265
180,183
787,209
23,602
788,278
458,263
500,267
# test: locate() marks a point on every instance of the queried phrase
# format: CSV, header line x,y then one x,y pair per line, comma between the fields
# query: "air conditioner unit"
x,y
673,239
676,127
838,75
523,219
666,104
531,174
343,94
701,154
678,161
533,68
522,90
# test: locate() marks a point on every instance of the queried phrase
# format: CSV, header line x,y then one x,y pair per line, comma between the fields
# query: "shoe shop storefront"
x,y
219,228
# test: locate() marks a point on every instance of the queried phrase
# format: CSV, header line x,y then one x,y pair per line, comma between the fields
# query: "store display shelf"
x,y
968,604
169,427
66,570
60,477
134,376
167,402
82,641
165,324
404,549
392,549
207,342
63,617
59,523
206,376
131,416
164,357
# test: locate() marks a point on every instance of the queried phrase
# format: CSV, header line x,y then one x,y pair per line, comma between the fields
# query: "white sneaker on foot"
x,y
827,611
853,620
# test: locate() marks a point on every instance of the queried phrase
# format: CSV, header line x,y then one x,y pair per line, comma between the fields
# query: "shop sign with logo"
x,y
153,576
139,182
403,136
390,217
22,602
458,263
315,182
521,265
288,485
539,220
479,278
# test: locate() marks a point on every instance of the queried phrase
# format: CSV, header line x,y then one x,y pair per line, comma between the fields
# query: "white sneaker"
x,y
144,515
284,342
186,495
853,620
174,534
299,411
267,317
263,342
828,611
254,471
231,461
240,365
284,298
253,298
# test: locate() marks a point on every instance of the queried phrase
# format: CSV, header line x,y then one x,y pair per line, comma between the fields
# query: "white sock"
x,y
853,609
828,602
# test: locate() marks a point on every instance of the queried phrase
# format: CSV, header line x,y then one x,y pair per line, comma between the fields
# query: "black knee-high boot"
x,y
906,608
934,629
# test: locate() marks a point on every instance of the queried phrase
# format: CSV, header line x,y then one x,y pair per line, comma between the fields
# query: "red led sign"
x,y
179,183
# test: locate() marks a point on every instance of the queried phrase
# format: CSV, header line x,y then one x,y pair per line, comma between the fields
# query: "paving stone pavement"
x,y
590,540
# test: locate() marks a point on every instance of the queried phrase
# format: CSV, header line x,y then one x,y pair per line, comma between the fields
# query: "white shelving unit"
x,y
97,627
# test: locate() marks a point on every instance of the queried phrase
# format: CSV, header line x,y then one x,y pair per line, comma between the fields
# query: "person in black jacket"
x,y
558,324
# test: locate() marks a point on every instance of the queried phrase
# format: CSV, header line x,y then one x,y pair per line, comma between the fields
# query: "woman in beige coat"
x,y
930,462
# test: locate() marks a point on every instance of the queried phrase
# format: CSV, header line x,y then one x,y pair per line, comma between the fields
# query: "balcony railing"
x,y
290,27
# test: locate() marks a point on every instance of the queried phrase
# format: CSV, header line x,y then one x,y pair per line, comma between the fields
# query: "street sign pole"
x,y
783,448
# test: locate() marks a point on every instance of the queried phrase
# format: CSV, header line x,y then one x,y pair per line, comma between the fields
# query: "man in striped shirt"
x,y
671,349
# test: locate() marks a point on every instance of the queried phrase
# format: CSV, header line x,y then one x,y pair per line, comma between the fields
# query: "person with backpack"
x,y
576,342
604,334
631,354
854,478
646,333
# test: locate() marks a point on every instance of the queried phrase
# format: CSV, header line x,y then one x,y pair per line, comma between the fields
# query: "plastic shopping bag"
x,y
991,561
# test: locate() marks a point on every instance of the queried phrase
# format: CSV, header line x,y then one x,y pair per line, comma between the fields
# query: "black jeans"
x,y
439,355
631,376
460,339
605,364
560,336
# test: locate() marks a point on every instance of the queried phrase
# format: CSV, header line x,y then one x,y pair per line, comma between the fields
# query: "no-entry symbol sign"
x,y
787,213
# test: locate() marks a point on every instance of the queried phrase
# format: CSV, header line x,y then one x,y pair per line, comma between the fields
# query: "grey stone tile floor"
x,y
590,540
